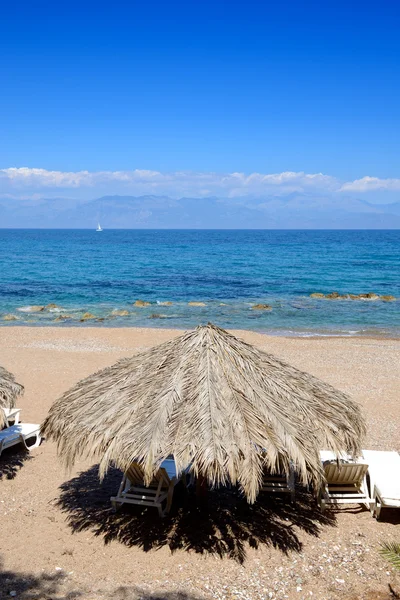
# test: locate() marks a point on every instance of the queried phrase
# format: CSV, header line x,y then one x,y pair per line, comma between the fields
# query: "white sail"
x,y
99,227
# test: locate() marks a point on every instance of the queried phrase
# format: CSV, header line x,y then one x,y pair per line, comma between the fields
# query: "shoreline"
x,y
301,335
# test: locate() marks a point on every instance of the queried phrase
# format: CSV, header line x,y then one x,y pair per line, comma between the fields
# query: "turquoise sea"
x,y
229,271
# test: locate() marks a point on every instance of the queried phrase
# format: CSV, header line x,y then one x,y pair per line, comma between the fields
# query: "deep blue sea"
x,y
229,271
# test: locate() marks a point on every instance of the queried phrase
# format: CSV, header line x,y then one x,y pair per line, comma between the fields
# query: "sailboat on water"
x,y
99,228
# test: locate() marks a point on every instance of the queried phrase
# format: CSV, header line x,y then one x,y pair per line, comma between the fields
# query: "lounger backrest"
x,y
346,473
135,474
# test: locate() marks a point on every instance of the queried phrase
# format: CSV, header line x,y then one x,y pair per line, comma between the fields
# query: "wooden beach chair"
x,y
384,479
161,489
345,482
11,416
278,483
20,433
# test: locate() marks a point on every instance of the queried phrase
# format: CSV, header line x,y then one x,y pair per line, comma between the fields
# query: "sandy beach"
x,y
58,538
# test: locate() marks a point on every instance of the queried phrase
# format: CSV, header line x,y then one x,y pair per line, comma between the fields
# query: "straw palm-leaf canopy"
x,y
212,401
9,391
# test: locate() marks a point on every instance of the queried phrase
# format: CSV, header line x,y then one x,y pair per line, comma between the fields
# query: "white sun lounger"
x,y
345,483
21,433
133,491
278,484
384,474
11,416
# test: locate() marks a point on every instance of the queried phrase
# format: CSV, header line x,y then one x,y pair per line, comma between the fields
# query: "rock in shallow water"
x,y
120,313
88,316
196,304
62,318
317,295
261,307
141,303
31,309
9,318
369,296
337,296
388,298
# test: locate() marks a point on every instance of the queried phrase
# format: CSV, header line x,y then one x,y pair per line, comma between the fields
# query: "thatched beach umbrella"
x,y
9,392
214,402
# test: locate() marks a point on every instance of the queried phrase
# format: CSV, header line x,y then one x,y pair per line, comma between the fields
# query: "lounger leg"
x,y
291,486
323,499
320,500
169,499
35,445
378,507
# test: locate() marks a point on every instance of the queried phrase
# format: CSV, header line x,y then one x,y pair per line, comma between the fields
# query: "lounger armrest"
x,y
14,415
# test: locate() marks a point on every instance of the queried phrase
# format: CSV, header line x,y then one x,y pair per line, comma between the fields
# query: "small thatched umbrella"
x,y
9,392
213,402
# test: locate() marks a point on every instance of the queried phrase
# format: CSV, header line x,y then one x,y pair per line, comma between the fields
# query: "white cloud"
x,y
28,182
175,183
371,184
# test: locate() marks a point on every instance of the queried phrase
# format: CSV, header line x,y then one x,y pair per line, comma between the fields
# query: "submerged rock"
x,y
120,313
353,296
31,309
88,316
317,295
167,303
141,303
388,298
61,318
196,304
9,318
52,305
261,307
158,316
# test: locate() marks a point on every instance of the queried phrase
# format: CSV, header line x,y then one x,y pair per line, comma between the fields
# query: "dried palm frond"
x,y
214,402
9,392
391,551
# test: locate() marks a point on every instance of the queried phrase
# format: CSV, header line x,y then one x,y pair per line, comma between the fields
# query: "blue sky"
x,y
205,87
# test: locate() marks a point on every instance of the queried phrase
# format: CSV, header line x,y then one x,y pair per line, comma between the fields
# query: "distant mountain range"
x,y
294,211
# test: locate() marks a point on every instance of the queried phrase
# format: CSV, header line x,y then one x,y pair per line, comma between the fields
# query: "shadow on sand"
x,y
223,527
12,460
30,587
26,586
